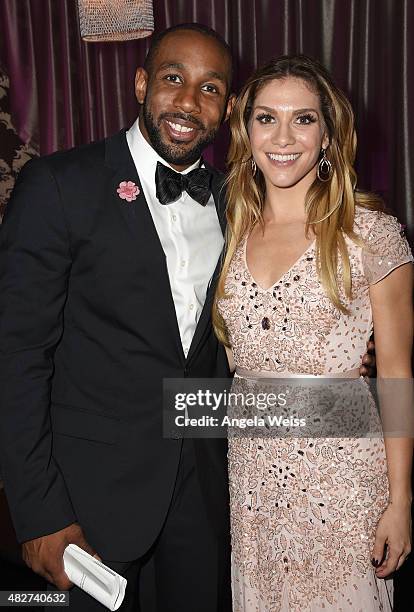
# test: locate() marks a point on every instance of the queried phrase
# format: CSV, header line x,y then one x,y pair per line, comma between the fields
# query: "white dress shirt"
x,y
189,233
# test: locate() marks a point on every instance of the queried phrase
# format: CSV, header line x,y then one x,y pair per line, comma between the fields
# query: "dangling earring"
x,y
324,168
254,166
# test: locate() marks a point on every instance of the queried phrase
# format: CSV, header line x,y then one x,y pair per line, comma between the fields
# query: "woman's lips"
x,y
282,160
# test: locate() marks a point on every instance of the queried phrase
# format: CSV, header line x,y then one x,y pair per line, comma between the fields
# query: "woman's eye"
x,y
265,118
305,119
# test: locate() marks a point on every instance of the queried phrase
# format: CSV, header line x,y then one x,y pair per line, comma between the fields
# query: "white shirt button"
x,y
191,306
183,262
173,218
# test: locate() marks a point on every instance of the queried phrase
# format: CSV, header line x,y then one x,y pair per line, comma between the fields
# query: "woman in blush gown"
x,y
311,266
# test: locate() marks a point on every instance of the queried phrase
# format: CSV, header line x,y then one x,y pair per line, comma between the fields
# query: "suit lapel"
x,y
138,219
218,189
219,195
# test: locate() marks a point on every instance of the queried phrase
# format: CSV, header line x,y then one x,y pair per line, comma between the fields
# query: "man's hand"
x,y
45,555
367,367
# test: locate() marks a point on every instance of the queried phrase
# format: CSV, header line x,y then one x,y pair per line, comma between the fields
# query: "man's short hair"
x,y
194,27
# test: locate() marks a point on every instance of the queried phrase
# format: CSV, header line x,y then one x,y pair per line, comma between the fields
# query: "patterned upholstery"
x,y
13,152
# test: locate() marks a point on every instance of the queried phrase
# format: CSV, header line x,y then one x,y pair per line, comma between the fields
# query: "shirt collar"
x,y
145,157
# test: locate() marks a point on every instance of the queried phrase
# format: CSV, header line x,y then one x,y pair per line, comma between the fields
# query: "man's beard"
x,y
178,154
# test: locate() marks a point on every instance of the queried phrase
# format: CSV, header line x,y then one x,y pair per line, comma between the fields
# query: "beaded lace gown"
x,y
304,510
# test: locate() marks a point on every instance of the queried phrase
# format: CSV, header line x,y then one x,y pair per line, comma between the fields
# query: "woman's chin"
x,y
281,182
287,180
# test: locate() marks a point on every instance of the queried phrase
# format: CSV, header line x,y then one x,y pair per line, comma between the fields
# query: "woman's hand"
x,y
394,531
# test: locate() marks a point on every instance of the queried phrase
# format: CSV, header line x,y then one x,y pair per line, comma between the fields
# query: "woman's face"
x,y
287,132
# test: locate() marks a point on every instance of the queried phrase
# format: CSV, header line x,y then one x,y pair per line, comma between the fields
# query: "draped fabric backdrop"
x,y
64,92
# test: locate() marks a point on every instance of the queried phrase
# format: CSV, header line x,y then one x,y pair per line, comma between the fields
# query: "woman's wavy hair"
x,y
330,205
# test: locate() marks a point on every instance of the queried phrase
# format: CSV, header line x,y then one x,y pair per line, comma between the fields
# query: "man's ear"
x,y
141,82
231,101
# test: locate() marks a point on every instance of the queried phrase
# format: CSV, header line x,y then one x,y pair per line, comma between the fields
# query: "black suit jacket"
x,y
87,333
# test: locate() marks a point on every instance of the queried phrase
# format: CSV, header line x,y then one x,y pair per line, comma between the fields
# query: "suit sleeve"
x,y
35,265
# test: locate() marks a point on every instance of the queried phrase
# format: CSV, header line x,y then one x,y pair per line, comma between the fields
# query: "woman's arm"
x,y
230,359
392,308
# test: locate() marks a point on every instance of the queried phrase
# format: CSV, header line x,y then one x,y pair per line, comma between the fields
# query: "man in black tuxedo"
x,y
104,291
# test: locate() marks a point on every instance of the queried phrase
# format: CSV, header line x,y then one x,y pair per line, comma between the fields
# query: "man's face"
x,y
185,96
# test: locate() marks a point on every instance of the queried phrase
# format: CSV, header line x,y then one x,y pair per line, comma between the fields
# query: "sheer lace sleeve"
x,y
386,248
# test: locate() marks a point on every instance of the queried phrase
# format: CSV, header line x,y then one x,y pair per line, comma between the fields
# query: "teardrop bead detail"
x,y
265,323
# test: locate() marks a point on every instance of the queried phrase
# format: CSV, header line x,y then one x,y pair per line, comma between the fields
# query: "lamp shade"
x,y
111,20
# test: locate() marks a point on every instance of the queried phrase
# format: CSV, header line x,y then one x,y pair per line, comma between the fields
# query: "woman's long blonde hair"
x,y
330,205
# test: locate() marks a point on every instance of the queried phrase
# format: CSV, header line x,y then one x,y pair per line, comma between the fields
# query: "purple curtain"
x,y
65,92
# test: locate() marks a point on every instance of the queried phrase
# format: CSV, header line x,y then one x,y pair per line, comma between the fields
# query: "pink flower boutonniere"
x,y
128,191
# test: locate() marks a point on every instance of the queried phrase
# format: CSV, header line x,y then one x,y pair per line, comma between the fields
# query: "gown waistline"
x,y
244,373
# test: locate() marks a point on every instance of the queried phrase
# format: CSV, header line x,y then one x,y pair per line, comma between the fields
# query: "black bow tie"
x,y
170,184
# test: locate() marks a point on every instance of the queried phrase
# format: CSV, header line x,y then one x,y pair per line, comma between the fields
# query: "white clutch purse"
x,y
95,578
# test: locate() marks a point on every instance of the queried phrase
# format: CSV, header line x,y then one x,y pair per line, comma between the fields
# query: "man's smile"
x,y
179,133
180,130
